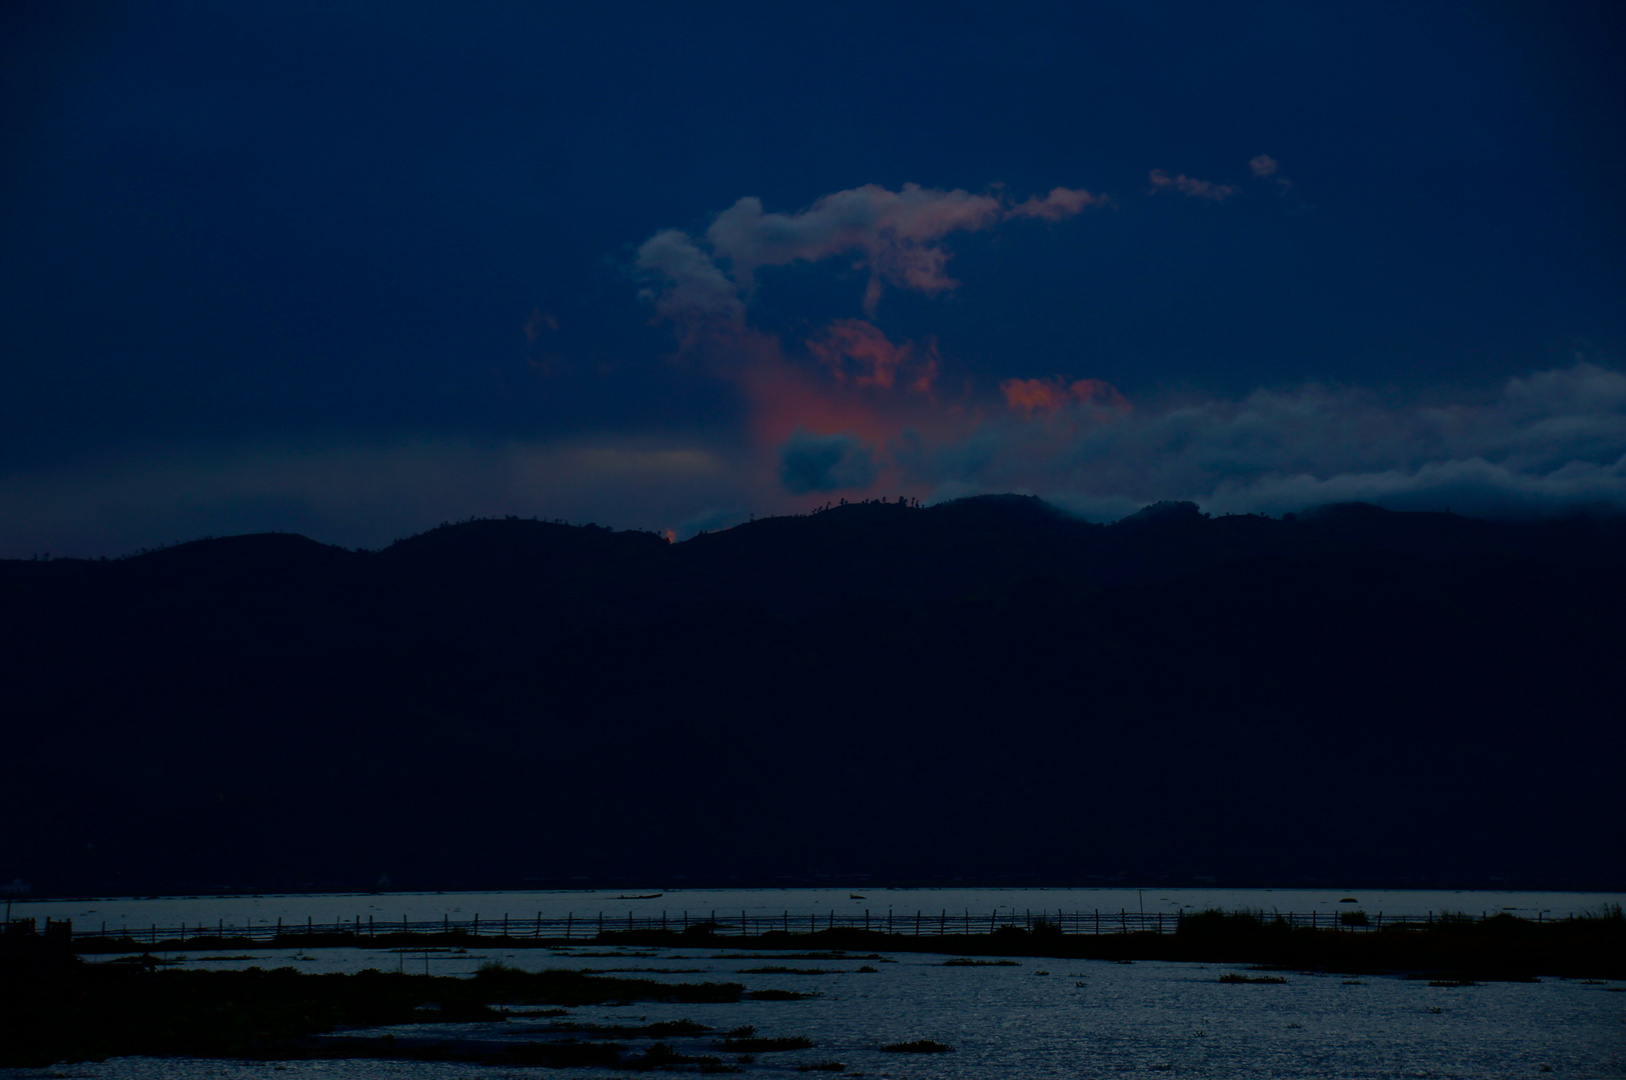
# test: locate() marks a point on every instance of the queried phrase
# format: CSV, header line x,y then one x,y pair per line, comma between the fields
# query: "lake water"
x,y
117,913
1037,1020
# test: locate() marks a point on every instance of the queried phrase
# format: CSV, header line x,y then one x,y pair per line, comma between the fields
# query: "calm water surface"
x,y
1037,1020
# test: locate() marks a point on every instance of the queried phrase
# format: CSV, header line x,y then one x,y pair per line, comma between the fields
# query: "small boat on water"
x,y
651,896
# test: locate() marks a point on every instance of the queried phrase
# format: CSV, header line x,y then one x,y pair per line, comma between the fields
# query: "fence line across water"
x,y
571,928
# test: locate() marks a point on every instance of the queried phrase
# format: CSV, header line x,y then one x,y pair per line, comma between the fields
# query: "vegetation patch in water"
x,y
90,1012
918,1046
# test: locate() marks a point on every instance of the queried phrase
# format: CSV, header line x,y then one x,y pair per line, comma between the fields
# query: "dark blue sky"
x,y
352,269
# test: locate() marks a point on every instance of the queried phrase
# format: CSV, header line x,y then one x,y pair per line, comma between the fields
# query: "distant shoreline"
x,y
1495,948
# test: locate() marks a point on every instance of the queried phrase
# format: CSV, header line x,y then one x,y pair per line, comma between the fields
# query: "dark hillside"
x,y
985,689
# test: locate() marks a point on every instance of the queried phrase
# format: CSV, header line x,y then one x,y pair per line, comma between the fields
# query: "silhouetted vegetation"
x,y
71,1010
97,1011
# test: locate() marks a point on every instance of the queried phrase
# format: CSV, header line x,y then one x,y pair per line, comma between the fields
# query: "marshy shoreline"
x,y
64,1006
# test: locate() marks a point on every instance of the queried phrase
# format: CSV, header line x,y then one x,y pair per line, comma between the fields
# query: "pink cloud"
x,y
897,237
896,234
1191,187
1264,167
695,291
1060,203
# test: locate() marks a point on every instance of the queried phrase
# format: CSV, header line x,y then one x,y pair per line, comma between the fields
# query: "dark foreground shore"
x,y
58,1007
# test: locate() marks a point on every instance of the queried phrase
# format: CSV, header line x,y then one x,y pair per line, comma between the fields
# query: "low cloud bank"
x,y
1551,443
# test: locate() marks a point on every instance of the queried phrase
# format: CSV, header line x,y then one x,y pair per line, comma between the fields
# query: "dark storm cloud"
x,y
809,463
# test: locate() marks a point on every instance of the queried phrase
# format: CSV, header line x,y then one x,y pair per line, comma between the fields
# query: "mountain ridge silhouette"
x,y
983,690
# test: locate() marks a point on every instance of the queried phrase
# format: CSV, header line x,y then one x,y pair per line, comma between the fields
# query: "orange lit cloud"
x,y
847,408
1031,397
784,395
1191,187
857,351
